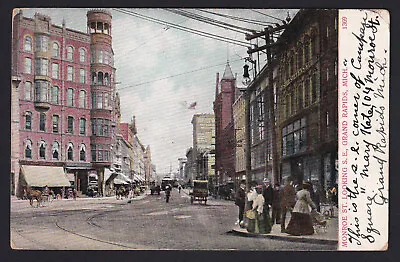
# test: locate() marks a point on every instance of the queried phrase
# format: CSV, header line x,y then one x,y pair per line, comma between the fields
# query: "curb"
x,y
286,238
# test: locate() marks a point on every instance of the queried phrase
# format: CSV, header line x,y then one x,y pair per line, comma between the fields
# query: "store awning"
x,y
40,176
109,175
138,178
71,177
117,181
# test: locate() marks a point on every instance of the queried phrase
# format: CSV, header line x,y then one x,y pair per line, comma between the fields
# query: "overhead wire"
x,y
186,29
245,20
211,21
266,15
184,73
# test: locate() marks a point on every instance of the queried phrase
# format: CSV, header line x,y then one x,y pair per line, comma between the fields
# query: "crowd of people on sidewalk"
x,y
269,204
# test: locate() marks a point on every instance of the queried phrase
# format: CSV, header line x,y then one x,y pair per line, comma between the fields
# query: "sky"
x,y
162,70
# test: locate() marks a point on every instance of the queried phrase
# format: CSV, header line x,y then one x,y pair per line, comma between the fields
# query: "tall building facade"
x,y
307,95
65,98
203,145
239,124
225,96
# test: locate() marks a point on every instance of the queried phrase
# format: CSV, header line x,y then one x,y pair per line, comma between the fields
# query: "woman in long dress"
x,y
301,221
262,223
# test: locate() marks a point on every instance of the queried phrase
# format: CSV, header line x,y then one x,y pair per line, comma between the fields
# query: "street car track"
x,y
90,222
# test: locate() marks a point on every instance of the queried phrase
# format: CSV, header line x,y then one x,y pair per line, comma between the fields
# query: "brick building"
x,y
65,98
307,95
225,96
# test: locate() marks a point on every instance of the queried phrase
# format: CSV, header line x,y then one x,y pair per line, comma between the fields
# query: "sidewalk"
x,y
328,235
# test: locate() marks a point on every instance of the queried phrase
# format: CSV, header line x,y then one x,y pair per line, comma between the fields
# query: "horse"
x,y
122,192
33,194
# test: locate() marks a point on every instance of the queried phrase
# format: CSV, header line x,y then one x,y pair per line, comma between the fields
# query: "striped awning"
x,y
40,176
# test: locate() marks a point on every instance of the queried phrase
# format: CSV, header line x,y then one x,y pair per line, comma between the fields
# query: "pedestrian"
x,y
261,222
268,194
301,222
179,188
288,200
62,193
315,196
168,189
276,205
240,198
74,193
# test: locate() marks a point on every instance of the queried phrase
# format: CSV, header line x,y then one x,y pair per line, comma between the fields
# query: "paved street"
x,y
147,223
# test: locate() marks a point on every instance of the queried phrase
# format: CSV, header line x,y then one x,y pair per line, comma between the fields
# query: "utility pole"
x,y
269,95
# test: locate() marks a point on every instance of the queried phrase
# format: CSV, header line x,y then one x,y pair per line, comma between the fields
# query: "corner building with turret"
x,y
64,103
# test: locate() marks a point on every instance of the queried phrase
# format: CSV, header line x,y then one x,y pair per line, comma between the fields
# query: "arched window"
x,y
70,53
82,76
28,149
82,55
70,97
28,121
28,44
70,152
99,28
106,79
300,57
94,78
28,91
56,50
55,149
42,150
100,78
82,152
82,99
307,51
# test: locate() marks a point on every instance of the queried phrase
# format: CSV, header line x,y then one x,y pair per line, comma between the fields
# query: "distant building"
x,y
191,166
239,124
225,96
203,145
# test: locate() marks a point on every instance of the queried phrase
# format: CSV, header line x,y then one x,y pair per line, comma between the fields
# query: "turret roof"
x,y
228,75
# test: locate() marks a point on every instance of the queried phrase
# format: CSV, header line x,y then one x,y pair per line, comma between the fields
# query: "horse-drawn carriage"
x,y
199,192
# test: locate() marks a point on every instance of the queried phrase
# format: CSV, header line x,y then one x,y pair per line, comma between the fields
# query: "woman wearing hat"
x,y
301,220
261,222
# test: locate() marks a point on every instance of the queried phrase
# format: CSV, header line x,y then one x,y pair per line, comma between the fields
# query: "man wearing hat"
x,y
268,194
240,201
288,200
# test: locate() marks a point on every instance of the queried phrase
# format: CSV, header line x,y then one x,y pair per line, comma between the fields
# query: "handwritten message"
x,y
364,129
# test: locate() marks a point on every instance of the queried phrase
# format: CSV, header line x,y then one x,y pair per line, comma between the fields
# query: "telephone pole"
x,y
267,33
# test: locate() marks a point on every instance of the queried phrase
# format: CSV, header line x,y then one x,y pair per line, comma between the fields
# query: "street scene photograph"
x,y
174,129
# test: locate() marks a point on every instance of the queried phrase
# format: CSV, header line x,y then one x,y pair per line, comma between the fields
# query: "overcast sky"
x,y
154,64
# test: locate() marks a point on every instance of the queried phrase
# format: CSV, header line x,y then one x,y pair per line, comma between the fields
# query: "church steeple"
x,y
228,75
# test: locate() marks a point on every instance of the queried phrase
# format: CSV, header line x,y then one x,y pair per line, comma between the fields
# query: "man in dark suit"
x,y
288,200
268,194
240,201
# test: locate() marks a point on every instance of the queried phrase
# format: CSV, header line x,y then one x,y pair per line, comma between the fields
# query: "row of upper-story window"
x,y
55,124
42,44
43,92
100,153
42,68
54,153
